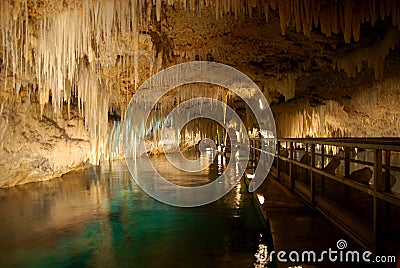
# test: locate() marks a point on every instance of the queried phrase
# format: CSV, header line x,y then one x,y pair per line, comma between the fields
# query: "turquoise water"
x,y
99,217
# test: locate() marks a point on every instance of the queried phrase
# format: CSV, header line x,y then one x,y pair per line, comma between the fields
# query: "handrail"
x,y
392,144
367,163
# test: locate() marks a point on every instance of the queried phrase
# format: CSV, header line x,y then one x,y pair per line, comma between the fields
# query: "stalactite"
x,y
286,86
266,9
217,8
158,9
283,12
135,36
333,16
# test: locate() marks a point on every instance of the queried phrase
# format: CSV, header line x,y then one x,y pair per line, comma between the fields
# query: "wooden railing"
x,y
369,213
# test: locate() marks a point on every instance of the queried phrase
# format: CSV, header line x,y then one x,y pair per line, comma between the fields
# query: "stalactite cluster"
x,y
343,16
286,86
159,120
334,16
374,55
303,121
372,112
82,50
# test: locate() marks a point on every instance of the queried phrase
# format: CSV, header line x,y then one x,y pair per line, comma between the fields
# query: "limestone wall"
x,y
37,149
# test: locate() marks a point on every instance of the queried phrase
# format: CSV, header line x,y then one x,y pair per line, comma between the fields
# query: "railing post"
x,y
322,167
387,172
346,162
252,151
306,170
312,177
386,207
286,162
377,204
291,165
278,151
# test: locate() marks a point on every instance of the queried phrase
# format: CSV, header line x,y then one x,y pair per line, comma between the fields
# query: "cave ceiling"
x,y
259,49
303,58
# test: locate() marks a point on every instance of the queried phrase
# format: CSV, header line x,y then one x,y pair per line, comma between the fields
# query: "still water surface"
x,y
99,217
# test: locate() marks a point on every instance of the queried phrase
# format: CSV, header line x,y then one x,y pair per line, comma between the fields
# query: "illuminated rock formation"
x,y
329,68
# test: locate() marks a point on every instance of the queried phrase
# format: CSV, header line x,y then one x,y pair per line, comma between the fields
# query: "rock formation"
x,y
69,69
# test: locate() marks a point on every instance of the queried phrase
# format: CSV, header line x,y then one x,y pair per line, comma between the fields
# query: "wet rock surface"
x,y
37,149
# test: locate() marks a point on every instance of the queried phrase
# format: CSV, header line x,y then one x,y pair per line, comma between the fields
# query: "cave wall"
x,y
35,148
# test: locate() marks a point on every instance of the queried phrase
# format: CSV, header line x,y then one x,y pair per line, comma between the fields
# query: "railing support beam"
x,y
346,162
291,165
278,152
377,203
312,175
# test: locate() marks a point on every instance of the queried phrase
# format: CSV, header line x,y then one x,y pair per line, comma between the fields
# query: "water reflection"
x,y
180,177
100,217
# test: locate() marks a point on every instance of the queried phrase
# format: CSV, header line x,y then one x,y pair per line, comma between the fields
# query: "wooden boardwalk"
x,y
356,195
296,226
